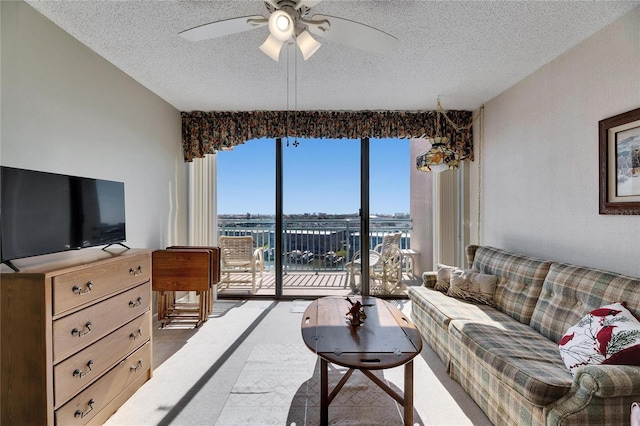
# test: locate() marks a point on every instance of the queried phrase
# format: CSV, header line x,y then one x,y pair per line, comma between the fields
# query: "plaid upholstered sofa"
x,y
507,358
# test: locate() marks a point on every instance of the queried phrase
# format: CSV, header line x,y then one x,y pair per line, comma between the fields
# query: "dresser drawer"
x,y
85,285
84,406
79,370
80,329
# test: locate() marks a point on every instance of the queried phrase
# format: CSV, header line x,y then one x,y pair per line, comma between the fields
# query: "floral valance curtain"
x,y
207,132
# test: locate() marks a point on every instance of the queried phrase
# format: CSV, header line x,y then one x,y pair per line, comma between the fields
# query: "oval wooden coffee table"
x,y
386,339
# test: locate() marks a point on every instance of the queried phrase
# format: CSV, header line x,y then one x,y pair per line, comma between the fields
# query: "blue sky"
x,y
320,176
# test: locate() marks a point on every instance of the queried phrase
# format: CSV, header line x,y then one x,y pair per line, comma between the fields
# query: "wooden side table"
x,y
185,269
386,339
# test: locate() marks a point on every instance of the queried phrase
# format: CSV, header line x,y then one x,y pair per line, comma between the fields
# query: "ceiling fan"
x,y
287,22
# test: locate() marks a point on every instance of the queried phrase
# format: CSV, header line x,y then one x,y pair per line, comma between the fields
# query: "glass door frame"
x,y
279,221
365,218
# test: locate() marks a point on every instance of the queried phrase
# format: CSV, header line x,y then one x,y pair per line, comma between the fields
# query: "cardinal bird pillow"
x,y
607,335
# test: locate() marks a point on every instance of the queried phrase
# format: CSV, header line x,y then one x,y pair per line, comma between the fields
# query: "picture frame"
x,y
619,154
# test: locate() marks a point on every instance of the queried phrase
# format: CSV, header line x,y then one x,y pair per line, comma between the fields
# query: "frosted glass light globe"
x,y
281,25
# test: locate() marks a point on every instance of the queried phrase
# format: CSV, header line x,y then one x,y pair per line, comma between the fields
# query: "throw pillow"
x,y
607,335
444,277
473,286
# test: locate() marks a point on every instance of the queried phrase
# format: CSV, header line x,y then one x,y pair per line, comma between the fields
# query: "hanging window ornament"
x,y
439,157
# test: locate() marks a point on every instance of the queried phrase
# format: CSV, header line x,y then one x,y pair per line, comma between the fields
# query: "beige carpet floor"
x,y
248,365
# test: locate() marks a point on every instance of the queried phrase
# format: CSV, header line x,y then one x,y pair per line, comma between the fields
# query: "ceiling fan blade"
x,y
307,3
225,27
352,34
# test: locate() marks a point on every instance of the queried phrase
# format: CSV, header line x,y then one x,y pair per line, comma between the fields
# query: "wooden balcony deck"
x,y
310,284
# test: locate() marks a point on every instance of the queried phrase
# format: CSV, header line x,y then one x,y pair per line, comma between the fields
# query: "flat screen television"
x,y
42,213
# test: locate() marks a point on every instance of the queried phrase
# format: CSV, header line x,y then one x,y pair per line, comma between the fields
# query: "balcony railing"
x,y
314,244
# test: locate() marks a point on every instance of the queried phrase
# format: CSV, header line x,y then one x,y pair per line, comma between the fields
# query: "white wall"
x,y
540,156
67,110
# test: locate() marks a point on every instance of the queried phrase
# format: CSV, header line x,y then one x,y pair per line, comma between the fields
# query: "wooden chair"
x,y
181,268
237,255
385,263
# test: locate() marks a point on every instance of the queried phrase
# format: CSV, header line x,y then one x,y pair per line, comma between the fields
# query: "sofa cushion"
x,y
443,308
432,331
473,286
517,355
607,335
444,277
520,280
570,291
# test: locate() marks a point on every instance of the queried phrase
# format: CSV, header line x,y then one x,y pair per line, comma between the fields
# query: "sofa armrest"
x,y
606,381
429,278
597,389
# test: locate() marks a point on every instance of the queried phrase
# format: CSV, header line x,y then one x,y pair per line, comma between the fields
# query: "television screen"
x,y
43,213
100,212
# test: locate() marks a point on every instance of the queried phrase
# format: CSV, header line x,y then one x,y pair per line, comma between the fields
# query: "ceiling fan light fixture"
x,y
287,21
281,25
271,47
307,44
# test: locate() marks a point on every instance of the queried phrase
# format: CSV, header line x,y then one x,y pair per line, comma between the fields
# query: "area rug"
x,y
280,385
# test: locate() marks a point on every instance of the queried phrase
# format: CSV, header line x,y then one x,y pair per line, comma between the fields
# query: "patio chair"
x,y
385,263
237,255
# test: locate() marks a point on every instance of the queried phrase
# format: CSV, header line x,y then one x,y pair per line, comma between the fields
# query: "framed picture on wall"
x,y
620,163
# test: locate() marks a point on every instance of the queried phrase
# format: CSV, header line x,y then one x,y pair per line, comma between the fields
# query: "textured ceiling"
x,y
466,52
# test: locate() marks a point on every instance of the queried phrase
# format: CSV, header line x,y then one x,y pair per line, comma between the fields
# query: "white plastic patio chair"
x,y
237,255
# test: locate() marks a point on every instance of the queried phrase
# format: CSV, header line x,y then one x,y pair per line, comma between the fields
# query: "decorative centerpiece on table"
x,y
356,315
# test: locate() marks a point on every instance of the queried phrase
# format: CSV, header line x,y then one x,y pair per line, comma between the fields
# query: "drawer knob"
x,y
135,304
87,326
136,272
134,336
79,373
137,366
81,414
77,290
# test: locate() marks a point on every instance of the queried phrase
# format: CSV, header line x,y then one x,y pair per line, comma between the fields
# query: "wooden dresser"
x,y
75,336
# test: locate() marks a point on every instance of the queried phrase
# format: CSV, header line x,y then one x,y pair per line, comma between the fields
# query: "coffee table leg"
x,y
408,393
324,392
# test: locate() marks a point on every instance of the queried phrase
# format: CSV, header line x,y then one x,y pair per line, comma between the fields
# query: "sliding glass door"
x,y
312,206
246,185
390,164
320,219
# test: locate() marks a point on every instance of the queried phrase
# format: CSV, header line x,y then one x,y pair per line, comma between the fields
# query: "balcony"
x,y
315,252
